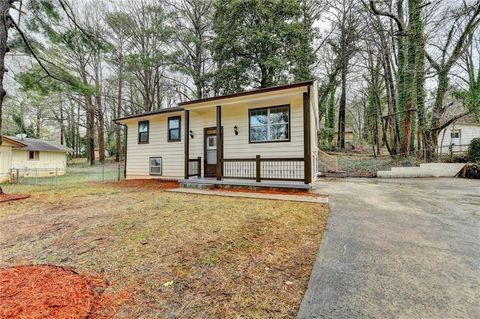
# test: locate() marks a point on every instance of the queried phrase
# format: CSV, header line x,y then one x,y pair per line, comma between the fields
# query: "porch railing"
x,y
258,168
195,167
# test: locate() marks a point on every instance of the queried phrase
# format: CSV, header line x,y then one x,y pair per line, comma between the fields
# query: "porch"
x,y
212,182
219,148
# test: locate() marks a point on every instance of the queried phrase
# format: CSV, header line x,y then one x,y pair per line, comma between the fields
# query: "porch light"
x,y
191,133
235,129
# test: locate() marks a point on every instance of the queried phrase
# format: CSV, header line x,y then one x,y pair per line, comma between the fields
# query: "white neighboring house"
x,y
31,157
456,138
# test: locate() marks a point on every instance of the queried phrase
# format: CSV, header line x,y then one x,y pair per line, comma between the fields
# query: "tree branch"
x,y
400,25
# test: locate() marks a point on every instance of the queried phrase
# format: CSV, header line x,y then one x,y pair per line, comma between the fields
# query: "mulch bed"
x,y
151,184
266,191
44,292
11,197
54,292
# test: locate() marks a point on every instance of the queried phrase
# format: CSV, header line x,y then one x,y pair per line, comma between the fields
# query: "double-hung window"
x,y
174,129
270,124
143,132
455,134
155,166
33,155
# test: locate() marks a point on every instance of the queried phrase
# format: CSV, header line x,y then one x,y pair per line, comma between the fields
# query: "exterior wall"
x,y
172,153
44,166
468,132
5,163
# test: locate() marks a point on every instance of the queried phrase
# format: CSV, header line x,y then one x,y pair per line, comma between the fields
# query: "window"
x,y
155,166
174,129
455,134
270,124
143,132
34,155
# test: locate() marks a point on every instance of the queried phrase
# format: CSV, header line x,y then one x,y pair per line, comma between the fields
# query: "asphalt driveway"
x,y
403,248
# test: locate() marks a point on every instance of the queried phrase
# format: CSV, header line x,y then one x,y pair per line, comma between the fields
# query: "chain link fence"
x,y
68,175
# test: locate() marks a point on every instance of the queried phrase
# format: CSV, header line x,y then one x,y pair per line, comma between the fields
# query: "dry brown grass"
x,y
177,255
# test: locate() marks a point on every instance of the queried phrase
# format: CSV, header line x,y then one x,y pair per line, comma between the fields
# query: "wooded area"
x,y
396,71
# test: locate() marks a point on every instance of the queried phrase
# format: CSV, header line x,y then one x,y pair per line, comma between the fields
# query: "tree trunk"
x,y
62,126
89,108
342,106
118,115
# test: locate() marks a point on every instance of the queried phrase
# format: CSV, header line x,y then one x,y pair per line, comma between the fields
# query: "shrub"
x,y
474,150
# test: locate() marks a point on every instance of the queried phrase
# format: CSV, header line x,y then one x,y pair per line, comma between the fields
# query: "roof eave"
x,y
247,93
159,112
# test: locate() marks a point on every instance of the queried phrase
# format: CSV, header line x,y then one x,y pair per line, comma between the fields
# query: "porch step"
x,y
211,183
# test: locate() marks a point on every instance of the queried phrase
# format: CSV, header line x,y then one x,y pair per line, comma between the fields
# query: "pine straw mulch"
x,y
44,292
54,292
4,198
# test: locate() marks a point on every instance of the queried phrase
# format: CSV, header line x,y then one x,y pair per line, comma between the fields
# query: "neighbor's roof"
x,y
221,97
11,141
33,144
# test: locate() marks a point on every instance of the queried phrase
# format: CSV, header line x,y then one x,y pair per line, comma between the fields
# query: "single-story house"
x,y
456,138
31,157
256,137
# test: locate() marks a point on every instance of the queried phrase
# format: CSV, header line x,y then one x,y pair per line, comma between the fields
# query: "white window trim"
x,y
269,125
150,166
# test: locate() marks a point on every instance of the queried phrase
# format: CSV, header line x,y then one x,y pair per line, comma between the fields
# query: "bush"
x,y
474,150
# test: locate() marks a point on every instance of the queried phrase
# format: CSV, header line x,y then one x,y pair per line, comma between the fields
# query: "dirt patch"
x,y
266,191
151,184
11,197
44,292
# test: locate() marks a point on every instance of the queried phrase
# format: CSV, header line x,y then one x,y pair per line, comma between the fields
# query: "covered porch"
x,y
219,150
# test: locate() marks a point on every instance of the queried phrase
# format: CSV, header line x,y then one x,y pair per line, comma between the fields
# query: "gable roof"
x,y
11,141
215,98
33,144
250,92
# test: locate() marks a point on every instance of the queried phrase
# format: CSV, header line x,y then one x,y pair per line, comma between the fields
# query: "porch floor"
x,y
245,183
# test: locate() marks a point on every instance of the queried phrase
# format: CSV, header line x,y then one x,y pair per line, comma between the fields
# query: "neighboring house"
x,y
348,135
31,157
456,138
97,153
261,135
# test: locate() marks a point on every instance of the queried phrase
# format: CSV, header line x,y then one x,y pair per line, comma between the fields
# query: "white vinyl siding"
x,y
138,155
47,163
466,132
5,163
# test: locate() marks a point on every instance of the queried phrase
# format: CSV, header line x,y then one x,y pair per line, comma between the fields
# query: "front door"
x,y
210,156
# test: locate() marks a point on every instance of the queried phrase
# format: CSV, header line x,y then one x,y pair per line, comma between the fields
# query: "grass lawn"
x,y
166,255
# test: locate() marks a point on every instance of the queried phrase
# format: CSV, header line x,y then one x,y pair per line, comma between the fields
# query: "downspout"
x,y
125,150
